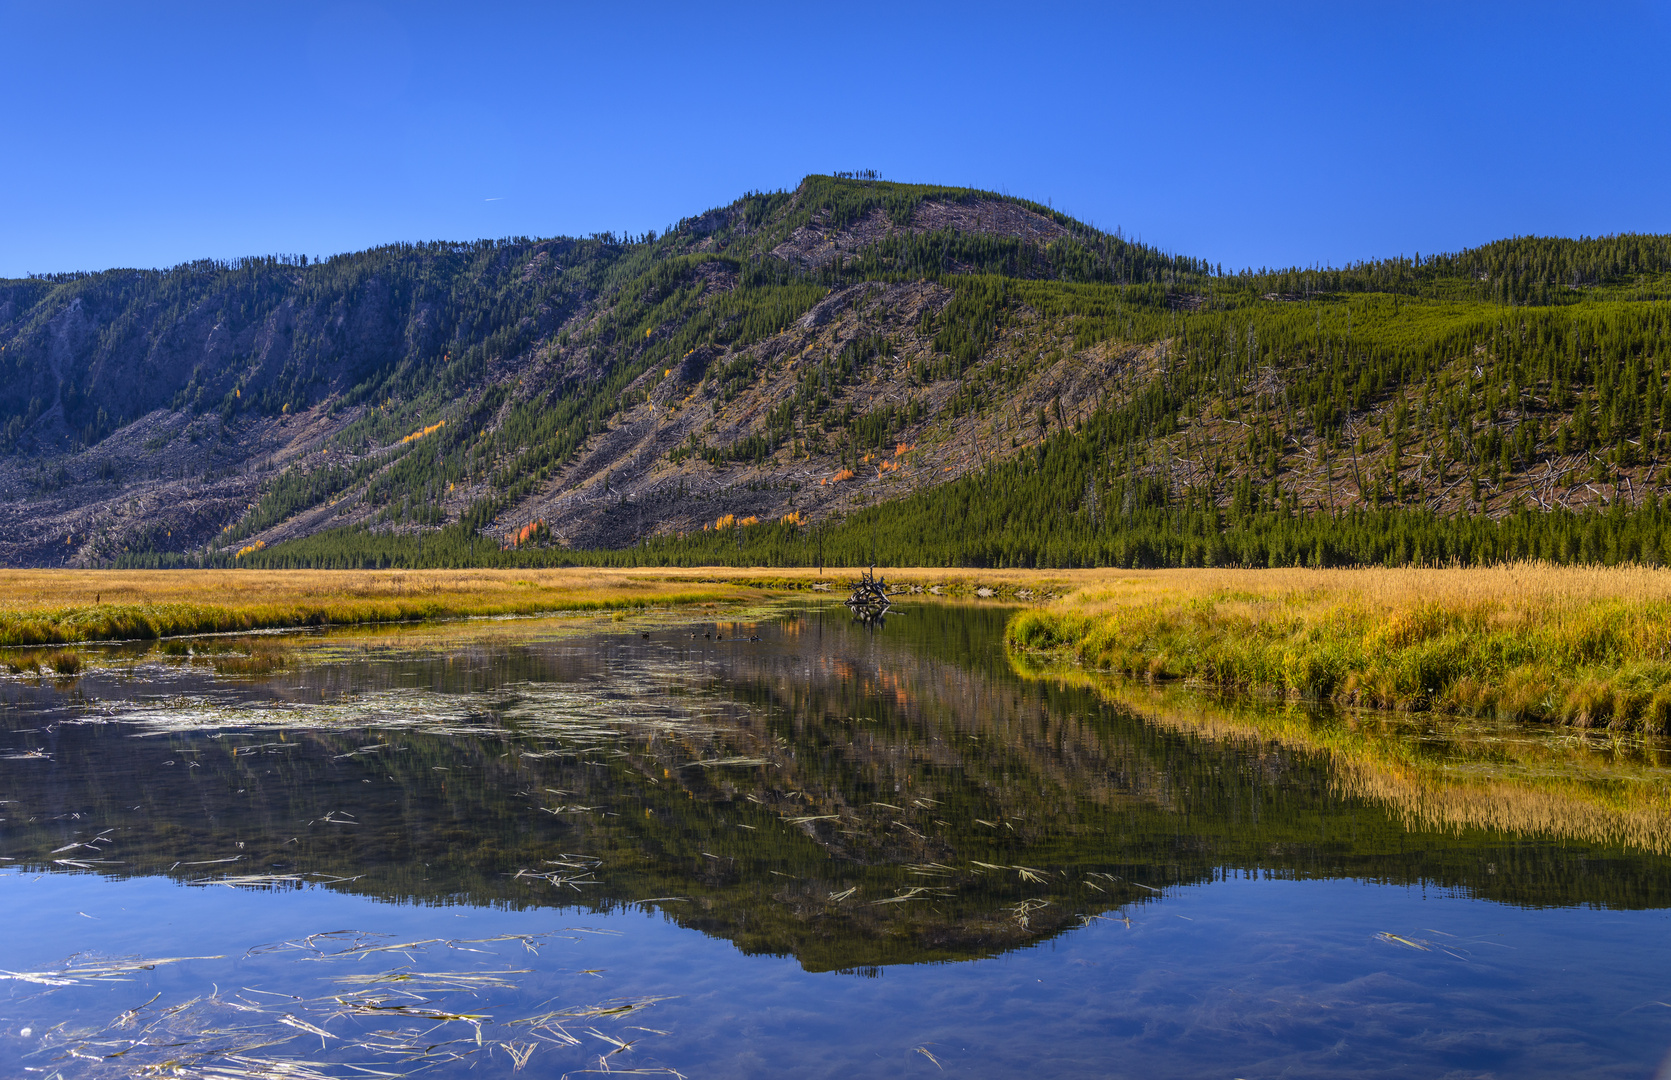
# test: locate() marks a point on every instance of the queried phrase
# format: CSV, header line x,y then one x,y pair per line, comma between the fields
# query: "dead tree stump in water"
x,y
869,599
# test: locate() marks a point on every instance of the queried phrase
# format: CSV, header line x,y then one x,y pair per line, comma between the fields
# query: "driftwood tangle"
x,y
869,598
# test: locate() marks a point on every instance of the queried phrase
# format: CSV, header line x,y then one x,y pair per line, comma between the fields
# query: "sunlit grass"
x,y
1587,646
42,607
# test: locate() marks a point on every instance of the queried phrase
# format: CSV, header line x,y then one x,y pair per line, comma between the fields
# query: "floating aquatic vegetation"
x,y
1026,873
395,1022
586,717
920,892
930,870
269,881
85,969
572,871
1023,912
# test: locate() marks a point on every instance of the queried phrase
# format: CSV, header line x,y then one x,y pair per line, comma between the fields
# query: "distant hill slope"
x,y
807,354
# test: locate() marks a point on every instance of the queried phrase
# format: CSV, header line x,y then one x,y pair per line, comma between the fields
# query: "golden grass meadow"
x,y
1586,646
50,607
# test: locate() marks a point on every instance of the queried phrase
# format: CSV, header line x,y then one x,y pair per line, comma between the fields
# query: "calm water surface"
x,y
550,849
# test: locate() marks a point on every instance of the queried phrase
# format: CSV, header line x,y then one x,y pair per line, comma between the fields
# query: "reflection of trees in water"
x,y
852,797
1453,775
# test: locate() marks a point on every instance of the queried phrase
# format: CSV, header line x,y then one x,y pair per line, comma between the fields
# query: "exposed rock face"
x,y
624,485
817,243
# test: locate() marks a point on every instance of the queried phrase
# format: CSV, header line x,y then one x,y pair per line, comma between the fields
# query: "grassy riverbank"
x,y
48,607
65,607
1589,647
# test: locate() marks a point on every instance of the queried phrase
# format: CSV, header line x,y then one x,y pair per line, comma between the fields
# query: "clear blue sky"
x,y
1248,134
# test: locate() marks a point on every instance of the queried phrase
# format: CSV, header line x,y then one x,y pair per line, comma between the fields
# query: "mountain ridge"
x,y
795,358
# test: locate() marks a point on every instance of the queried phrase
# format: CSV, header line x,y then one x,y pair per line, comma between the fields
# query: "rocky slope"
x,y
150,411
805,354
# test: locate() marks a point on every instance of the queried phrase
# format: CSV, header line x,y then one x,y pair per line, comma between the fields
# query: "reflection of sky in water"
x,y
1238,978
499,760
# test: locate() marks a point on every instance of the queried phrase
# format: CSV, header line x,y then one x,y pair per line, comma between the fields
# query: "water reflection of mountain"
x,y
852,798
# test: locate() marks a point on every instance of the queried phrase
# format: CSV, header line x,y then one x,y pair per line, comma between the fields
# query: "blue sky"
x,y
1248,134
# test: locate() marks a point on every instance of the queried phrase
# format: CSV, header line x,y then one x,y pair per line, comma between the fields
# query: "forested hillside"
x,y
854,368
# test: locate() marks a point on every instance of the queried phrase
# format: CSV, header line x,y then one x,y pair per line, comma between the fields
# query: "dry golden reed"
x,y
1587,646
45,607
